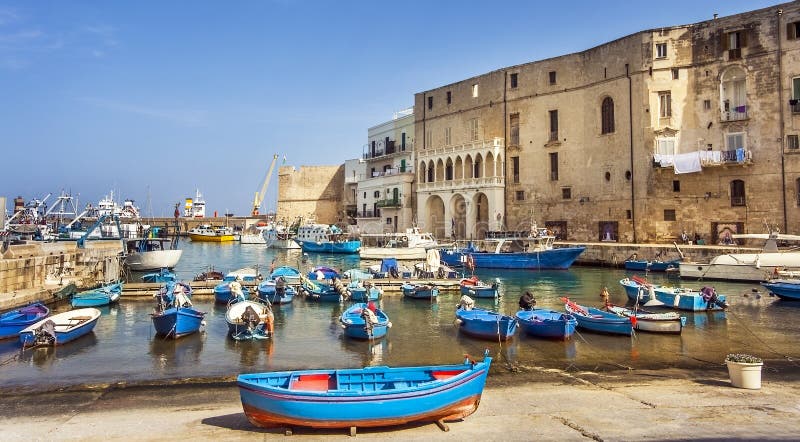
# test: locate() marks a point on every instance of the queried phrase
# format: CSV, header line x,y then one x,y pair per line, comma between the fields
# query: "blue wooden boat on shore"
x,y
12,322
788,289
97,297
674,297
514,250
486,324
419,291
174,315
363,397
361,292
547,323
596,320
276,291
360,321
162,276
250,320
61,328
476,288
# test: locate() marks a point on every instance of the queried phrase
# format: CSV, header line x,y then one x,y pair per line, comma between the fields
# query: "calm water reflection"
x,y
124,347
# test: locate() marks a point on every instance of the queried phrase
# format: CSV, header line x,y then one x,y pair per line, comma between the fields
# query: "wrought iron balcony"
x,y
392,202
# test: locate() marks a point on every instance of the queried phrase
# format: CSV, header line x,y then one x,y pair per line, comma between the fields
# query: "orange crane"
x,y
259,199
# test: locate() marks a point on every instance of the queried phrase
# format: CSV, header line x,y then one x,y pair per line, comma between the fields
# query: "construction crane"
x,y
259,199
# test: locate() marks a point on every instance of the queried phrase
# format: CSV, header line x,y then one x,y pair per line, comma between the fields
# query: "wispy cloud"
x,y
8,16
186,117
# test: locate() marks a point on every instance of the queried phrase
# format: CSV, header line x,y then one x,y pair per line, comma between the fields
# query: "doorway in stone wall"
x,y
608,231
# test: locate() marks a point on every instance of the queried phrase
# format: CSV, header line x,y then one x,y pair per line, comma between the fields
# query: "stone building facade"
x,y
690,128
311,192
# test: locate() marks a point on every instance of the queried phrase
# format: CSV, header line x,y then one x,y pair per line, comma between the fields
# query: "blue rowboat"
x,y
636,264
360,292
668,322
665,266
12,322
226,291
633,289
363,397
486,324
321,292
475,288
250,320
362,322
674,297
418,291
174,316
290,274
547,323
61,328
276,291
161,276
596,320
788,289
97,297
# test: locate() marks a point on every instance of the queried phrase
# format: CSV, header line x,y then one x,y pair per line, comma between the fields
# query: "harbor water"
x,y
124,349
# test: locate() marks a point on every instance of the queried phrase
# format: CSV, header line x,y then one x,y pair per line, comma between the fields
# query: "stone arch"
x,y
448,169
499,166
477,166
423,172
435,223
458,168
490,165
431,172
439,170
480,204
469,168
458,211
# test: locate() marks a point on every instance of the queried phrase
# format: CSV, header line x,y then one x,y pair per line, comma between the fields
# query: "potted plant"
x,y
744,370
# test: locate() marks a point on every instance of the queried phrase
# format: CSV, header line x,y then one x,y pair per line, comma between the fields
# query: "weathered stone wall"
x,y
311,191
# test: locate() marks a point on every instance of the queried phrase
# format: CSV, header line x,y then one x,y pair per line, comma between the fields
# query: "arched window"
x,y
733,94
737,193
607,115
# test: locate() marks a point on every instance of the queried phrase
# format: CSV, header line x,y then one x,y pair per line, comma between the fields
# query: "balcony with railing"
x,y
460,184
394,203
369,214
391,149
735,113
495,143
706,158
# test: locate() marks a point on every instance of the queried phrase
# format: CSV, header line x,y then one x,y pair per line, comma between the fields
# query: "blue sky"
x,y
160,98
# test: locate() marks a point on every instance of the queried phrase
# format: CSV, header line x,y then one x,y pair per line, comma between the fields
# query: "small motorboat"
x,y
276,291
162,276
643,320
419,291
250,320
225,291
476,288
61,328
788,289
174,315
673,297
320,292
484,324
596,320
97,297
364,321
12,322
363,397
290,274
363,291
548,324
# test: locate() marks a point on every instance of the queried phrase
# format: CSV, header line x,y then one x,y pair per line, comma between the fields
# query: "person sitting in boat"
x,y
280,285
605,296
466,303
527,301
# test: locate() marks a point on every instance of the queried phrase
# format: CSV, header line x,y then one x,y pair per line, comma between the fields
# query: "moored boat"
x,y
290,274
322,238
164,275
596,320
209,233
60,328
486,324
97,297
419,291
363,397
667,322
276,291
788,289
174,316
547,323
652,266
12,322
476,288
679,298
363,291
151,253
364,321
409,245
320,292
226,291
250,320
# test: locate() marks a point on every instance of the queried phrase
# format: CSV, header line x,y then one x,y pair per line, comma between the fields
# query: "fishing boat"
x,y
225,291
280,237
12,322
252,237
97,297
679,298
364,321
363,291
419,291
656,265
476,288
290,274
758,266
317,291
276,291
363,397
409,245
162,276
485,324
596,320
151,253
514,250
61,328
322,238
788,289
547,323
174,315
667,322
209,233
250,320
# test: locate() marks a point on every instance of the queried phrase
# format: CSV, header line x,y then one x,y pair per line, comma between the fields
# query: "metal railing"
x,y
392,202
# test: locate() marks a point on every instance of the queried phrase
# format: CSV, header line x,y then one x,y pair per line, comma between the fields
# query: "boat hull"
x,y
69,326
268,292
211,238
240,331
98,297
420,292
598,321
560,258
402,253
547,324
354,324
223,294
672,297
479,291
391,401
145,261
344,247
784,289
11,323
486,324
177,322
364,294
669,323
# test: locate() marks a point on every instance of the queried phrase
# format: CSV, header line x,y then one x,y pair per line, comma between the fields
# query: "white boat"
x,y
759,266
150,253
253,235
279,236
411,245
